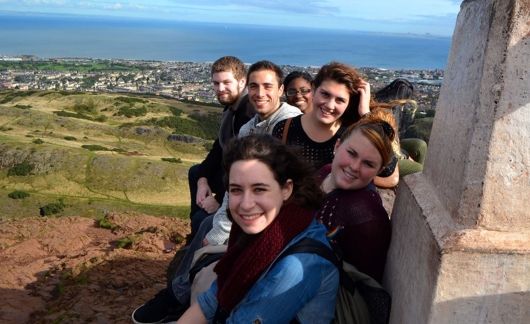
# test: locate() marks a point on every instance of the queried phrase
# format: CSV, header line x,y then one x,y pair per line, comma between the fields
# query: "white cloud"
x,y
114,6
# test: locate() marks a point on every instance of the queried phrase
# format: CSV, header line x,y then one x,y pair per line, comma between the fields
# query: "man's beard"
x,y
229,100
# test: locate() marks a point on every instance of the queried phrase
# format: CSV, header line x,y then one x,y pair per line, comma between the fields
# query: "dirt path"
x,y
68,270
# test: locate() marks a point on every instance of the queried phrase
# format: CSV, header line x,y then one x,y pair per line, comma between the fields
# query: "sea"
x,y
60,36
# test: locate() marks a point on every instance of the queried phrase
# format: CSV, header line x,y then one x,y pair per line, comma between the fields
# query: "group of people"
x,y
304,168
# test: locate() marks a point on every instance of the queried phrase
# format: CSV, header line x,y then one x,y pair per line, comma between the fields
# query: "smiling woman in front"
x,y
272,202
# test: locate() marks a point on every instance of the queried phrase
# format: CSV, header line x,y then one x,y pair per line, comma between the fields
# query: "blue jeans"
x,y
180,284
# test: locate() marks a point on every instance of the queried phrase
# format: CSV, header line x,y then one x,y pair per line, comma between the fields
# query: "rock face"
x,y
460,249
69,270
184,138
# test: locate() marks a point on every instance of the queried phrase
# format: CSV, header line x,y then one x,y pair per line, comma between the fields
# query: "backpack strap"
x,y
286,129
308,245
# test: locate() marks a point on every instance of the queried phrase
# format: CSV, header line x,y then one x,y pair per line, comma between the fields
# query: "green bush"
x,y
64,113
51,208
95,147
119,150
191,127
38,141
20,169
70,138
175,111
18,194
106,223
23,106
172,160
101,118
85,106
125,242
131,112
131,100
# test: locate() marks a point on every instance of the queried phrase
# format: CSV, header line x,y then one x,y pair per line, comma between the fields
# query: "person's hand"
x,y
205,242
364,93
209,204
203,191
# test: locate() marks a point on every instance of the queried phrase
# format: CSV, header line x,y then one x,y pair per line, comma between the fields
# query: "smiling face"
x,y
299,94
264,92
330,101
357,161
227,88
255,197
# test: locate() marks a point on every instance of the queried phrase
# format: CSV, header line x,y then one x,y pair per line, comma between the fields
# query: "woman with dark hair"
x,y
297,85
358,225
340,97
272,201
398,95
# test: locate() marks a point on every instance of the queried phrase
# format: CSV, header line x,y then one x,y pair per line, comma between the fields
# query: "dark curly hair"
x,y
284,162
296,75
398,89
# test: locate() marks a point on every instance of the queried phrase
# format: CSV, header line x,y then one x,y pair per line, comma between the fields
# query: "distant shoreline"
x,y
184,81
35,58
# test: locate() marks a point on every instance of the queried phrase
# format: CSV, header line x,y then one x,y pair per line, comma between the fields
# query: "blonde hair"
x,y
379,127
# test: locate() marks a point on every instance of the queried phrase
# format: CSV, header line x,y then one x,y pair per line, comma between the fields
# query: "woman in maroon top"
x,y
353,212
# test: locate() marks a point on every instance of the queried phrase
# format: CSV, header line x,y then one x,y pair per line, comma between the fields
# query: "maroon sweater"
x,y
359,225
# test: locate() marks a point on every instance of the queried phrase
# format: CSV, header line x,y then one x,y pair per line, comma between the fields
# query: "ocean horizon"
x,y
53,36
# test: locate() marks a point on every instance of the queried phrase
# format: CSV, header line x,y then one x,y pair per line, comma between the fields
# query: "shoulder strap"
x,y
286,130
309,245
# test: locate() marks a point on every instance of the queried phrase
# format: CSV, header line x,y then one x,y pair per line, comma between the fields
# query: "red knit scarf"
x,y
248,256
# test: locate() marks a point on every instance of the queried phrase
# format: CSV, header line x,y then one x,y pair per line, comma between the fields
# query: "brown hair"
x,y
348,76
284,162
230,64
266,65
379,129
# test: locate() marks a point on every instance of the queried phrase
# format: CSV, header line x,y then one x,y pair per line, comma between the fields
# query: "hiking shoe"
x,y
162,308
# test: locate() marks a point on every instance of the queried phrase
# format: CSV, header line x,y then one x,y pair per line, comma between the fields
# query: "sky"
x,y
435,17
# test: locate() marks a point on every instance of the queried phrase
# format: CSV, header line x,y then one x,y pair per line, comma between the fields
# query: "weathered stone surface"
x,y
460,250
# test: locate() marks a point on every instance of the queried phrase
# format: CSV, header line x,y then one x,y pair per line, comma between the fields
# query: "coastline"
x,y
181,80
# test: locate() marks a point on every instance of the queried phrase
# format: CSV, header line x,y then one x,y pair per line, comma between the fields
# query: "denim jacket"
x,y
302,285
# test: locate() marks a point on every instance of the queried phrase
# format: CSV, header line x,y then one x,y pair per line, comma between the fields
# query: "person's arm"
x,y
206,170
290,285
212,160
193,315
221,225
388,182
204,309
364,100
203,191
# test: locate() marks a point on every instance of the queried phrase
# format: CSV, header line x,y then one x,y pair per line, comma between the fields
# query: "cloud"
x,y
289,6
42,2
114,6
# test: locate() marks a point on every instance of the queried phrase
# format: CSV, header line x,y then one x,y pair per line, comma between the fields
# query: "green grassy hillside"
x,y
99,151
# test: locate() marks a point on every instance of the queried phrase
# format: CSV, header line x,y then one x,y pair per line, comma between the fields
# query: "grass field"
x,y
99,152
